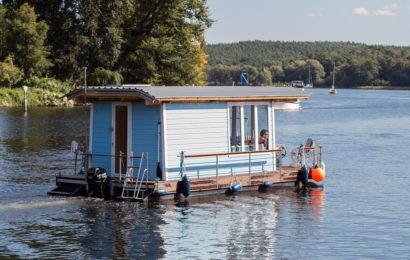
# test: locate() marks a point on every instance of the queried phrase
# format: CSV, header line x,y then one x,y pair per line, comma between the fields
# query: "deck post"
x,y
280,165
250,165
217,171
130,161
87,164
120,164
75,162
320,156
146,166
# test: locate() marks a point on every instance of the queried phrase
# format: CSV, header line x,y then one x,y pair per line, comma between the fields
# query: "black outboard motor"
x,y
97,181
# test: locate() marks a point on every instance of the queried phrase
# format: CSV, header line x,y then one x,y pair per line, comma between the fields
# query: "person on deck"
x,y
263,139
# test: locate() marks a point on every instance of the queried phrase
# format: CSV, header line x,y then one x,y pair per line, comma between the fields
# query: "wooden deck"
x,y
287,174
76,185
206,186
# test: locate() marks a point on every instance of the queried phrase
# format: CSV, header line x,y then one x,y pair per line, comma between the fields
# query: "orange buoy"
x,y
318,174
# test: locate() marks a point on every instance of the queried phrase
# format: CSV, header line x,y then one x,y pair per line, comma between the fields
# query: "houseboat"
x,y
168,142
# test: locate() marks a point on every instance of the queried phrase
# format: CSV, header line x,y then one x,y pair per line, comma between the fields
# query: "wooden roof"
x,y
177,94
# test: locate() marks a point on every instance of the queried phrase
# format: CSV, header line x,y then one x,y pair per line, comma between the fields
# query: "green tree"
x,y
317,71
102,35
104,77
264,77
359,72
4,32
219,75
399,73
165,42
26,42
63,20
278,74
9,73
296,70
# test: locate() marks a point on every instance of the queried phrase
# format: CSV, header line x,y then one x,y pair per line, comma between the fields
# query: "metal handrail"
x,y
316,158
234,153
217,155
108,155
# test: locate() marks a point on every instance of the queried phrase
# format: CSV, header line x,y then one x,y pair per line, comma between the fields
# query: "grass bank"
x,y
10,97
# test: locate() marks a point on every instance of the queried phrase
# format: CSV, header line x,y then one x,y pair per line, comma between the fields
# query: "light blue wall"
x,y
101,134
202,128
145,134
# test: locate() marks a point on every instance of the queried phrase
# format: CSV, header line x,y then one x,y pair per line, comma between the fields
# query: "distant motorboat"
x,y
287,105
297,84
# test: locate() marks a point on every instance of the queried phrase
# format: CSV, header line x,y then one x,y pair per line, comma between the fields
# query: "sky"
x,y
380,22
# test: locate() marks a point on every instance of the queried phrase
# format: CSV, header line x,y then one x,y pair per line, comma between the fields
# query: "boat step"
x,y
133,183
143,187
132,189
64,190
62,193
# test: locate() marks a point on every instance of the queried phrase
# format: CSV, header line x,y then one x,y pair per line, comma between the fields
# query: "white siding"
x,y
202,128
194,129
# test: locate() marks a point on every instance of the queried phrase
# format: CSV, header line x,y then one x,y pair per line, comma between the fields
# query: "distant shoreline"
x,y
383,87
374,87
14,97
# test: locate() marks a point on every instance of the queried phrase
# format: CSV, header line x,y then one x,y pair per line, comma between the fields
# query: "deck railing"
x,y
276,160
87,162
310,155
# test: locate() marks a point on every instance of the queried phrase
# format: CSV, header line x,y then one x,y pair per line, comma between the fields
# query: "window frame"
x,y
241,105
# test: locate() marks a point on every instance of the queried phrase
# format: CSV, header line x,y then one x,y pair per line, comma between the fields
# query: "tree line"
x,y
276,62
159,42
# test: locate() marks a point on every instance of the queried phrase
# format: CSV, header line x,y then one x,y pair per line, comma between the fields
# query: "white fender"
x,y
323,166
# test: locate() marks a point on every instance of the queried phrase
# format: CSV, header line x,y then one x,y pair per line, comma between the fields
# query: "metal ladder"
x,y
134,187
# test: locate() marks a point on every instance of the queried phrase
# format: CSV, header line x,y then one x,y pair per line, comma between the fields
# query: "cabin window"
x,y
249,127
235,126
263,142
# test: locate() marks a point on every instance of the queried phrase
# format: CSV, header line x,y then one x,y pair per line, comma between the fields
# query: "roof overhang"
x,y
155,95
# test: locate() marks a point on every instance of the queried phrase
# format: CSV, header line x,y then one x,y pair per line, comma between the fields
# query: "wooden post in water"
x,y
25,88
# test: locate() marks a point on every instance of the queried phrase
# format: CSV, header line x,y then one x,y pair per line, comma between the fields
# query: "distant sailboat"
x,y
310,83
332,90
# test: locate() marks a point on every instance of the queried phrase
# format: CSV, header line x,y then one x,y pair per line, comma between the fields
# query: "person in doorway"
x,y
263,139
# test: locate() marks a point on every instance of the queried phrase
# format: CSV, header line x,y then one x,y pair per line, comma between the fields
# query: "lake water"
x,y
363,213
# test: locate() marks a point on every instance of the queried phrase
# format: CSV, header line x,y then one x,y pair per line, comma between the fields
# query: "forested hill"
x,y
270,62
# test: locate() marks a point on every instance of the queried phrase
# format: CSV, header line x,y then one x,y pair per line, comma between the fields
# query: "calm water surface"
x,y
363,213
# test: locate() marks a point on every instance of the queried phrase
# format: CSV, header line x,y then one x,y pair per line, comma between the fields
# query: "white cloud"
x,y
388,10
361,11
